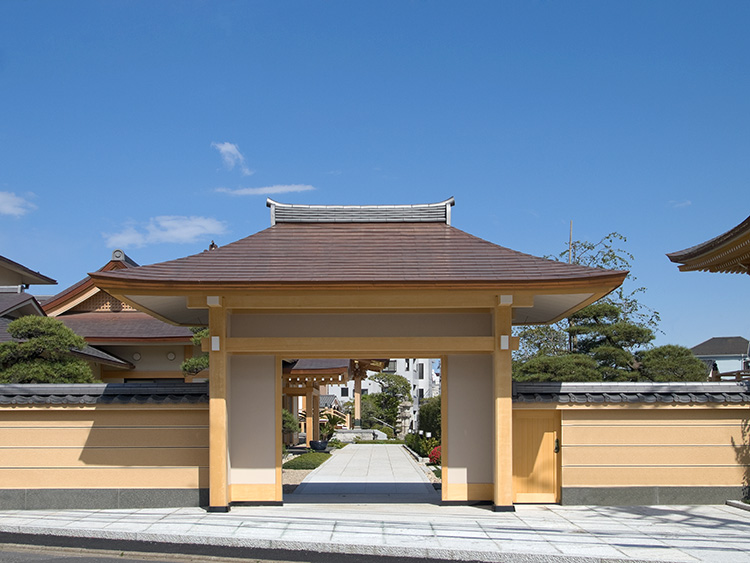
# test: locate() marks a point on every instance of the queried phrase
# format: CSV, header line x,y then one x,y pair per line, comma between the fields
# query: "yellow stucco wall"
x,y
112,446
654,446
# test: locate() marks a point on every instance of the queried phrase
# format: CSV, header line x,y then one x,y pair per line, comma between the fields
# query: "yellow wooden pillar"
x,y
278,392
358,401
217,407
316,416
503,407
309,409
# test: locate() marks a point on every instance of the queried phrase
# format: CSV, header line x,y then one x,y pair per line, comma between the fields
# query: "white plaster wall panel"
x,y
252,429
470,419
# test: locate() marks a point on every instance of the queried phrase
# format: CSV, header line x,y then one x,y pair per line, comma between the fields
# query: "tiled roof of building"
x,y
619,393
322,364
90,394
723,346
89,353
359,252
125,326
729,252
707,246
92,354
4,336
119,260
11,302
26,275
328,401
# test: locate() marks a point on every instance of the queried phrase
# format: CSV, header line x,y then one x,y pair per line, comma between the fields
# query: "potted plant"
x,y
327,430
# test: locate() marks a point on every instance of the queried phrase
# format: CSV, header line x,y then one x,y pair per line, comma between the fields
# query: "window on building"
x,y
421,394
407,364
391,366
364,392
420,370
344,391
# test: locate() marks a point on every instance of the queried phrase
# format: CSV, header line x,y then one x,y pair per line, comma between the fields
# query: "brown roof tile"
x,y
358,253
128,326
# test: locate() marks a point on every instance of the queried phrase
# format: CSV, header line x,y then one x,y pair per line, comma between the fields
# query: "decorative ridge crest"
x,y
418,213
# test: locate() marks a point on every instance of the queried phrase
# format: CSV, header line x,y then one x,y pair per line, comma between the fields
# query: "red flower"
x,y
435,456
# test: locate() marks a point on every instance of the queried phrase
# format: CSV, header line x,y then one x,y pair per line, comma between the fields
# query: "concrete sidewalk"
x,y
532,534
375,500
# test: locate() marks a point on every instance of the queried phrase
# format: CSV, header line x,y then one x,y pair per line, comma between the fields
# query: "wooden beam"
x,y
337,347
359,299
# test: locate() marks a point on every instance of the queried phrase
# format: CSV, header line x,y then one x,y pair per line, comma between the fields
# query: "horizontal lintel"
x,y
337,347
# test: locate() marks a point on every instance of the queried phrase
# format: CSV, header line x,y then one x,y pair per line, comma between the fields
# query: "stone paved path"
x,y
371,473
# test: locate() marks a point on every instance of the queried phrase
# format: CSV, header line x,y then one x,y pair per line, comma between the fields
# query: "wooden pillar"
x,y
278,392
309,409
217,407
356,371
444,444
503,407
316,416
358,401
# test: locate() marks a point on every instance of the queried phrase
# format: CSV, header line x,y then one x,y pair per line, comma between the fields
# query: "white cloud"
x,y
231,155
11,204
684,203
166,229
277,189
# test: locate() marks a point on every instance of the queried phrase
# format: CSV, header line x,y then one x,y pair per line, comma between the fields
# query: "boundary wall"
x,y
103,446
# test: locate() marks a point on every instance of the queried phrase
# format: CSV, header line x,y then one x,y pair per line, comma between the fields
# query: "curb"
x,y
283,551
415,455
738,504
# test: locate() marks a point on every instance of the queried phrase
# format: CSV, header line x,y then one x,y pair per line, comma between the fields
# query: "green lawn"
x,y
310,460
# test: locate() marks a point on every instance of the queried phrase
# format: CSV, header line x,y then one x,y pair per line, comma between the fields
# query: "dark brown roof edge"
x,y
133,283
682,256
21,269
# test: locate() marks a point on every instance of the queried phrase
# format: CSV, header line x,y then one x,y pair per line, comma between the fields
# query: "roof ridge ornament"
x,y
439,212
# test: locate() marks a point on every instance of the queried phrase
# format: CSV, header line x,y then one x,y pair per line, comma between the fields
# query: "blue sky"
x,y
159,126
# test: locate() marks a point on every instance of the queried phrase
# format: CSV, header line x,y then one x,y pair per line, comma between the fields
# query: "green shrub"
x,y
310,460
42,352
420,445
430,416
289,422
335,443
412,441
196,364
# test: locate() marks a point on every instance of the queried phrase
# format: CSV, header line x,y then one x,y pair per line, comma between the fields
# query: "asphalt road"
x,y
19,553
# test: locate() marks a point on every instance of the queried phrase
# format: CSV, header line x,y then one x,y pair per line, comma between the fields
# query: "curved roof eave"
x,y
728,252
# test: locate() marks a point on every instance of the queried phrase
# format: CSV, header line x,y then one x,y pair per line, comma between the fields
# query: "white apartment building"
x,y
423,375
